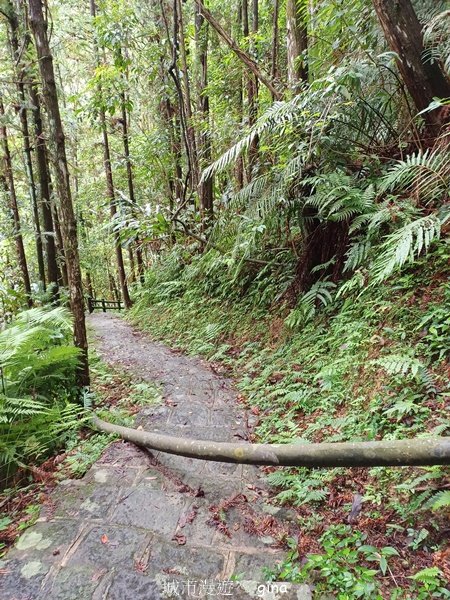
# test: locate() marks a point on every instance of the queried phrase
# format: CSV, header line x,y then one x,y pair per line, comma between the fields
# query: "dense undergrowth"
x,y
370,364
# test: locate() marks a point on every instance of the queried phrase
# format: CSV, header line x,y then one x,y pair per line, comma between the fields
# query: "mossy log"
x,y
392,453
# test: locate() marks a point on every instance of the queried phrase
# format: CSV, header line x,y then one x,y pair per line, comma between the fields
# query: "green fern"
x,y
424,175
396,364
318,294
39,364
405,244
439,500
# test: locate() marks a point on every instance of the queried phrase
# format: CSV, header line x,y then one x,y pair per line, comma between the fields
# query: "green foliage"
x,y
318,294
82,454
37,408
405,244
432,584
338,570
367,365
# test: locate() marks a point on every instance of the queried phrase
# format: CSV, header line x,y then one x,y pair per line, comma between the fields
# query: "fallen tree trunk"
x,y
393,453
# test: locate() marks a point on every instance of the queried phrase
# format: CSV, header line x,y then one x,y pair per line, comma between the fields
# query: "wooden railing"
x,y
104,305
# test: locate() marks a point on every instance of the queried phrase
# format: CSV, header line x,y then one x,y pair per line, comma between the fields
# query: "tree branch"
x,y
392,453
243,56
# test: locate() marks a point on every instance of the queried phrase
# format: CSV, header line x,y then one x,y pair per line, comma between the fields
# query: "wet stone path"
x,y
140,525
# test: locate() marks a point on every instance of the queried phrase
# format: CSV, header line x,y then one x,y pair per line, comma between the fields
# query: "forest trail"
x,y
140,525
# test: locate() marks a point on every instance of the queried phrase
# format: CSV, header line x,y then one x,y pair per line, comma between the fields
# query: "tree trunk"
x,y
190,131
397,453
323,242
10,192
113,211
126,148
44,191
252,85
68,222
297,42
239,169
131,261
89,286
275,41
110,190
206,191
423,78
63,277
20,73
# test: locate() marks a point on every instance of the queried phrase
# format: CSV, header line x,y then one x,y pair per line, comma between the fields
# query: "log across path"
x,y
146,525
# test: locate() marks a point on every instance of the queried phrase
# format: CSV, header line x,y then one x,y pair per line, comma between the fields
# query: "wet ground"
x,y
147,525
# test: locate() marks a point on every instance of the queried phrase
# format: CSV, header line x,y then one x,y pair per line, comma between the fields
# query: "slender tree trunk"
x,y
190,130
206,190
275,41
113,212
32,186
63,277
7,180
20,73
239,169
423,78
396,453
297,42
252,84
110,190
126,148
44,191
68,222
89,285
132,277
174,134
113,288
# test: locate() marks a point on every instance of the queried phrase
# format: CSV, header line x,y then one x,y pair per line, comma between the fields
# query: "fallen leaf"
x,y
179,539
96,576
187,517
140,566
104,539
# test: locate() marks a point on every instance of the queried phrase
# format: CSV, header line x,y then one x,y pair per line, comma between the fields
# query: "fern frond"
x,y
439,500
424,174
405,244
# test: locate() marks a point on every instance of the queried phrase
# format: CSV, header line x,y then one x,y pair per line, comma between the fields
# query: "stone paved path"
x,y
138,525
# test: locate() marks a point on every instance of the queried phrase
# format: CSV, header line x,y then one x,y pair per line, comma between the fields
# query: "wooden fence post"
x,y
104,305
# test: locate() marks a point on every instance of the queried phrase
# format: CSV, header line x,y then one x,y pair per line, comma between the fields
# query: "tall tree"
x,y
250,24
423,78
296,42
44,190
110,183
130,181
68,222
275,41
206,187
9,188
179,48
18,51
